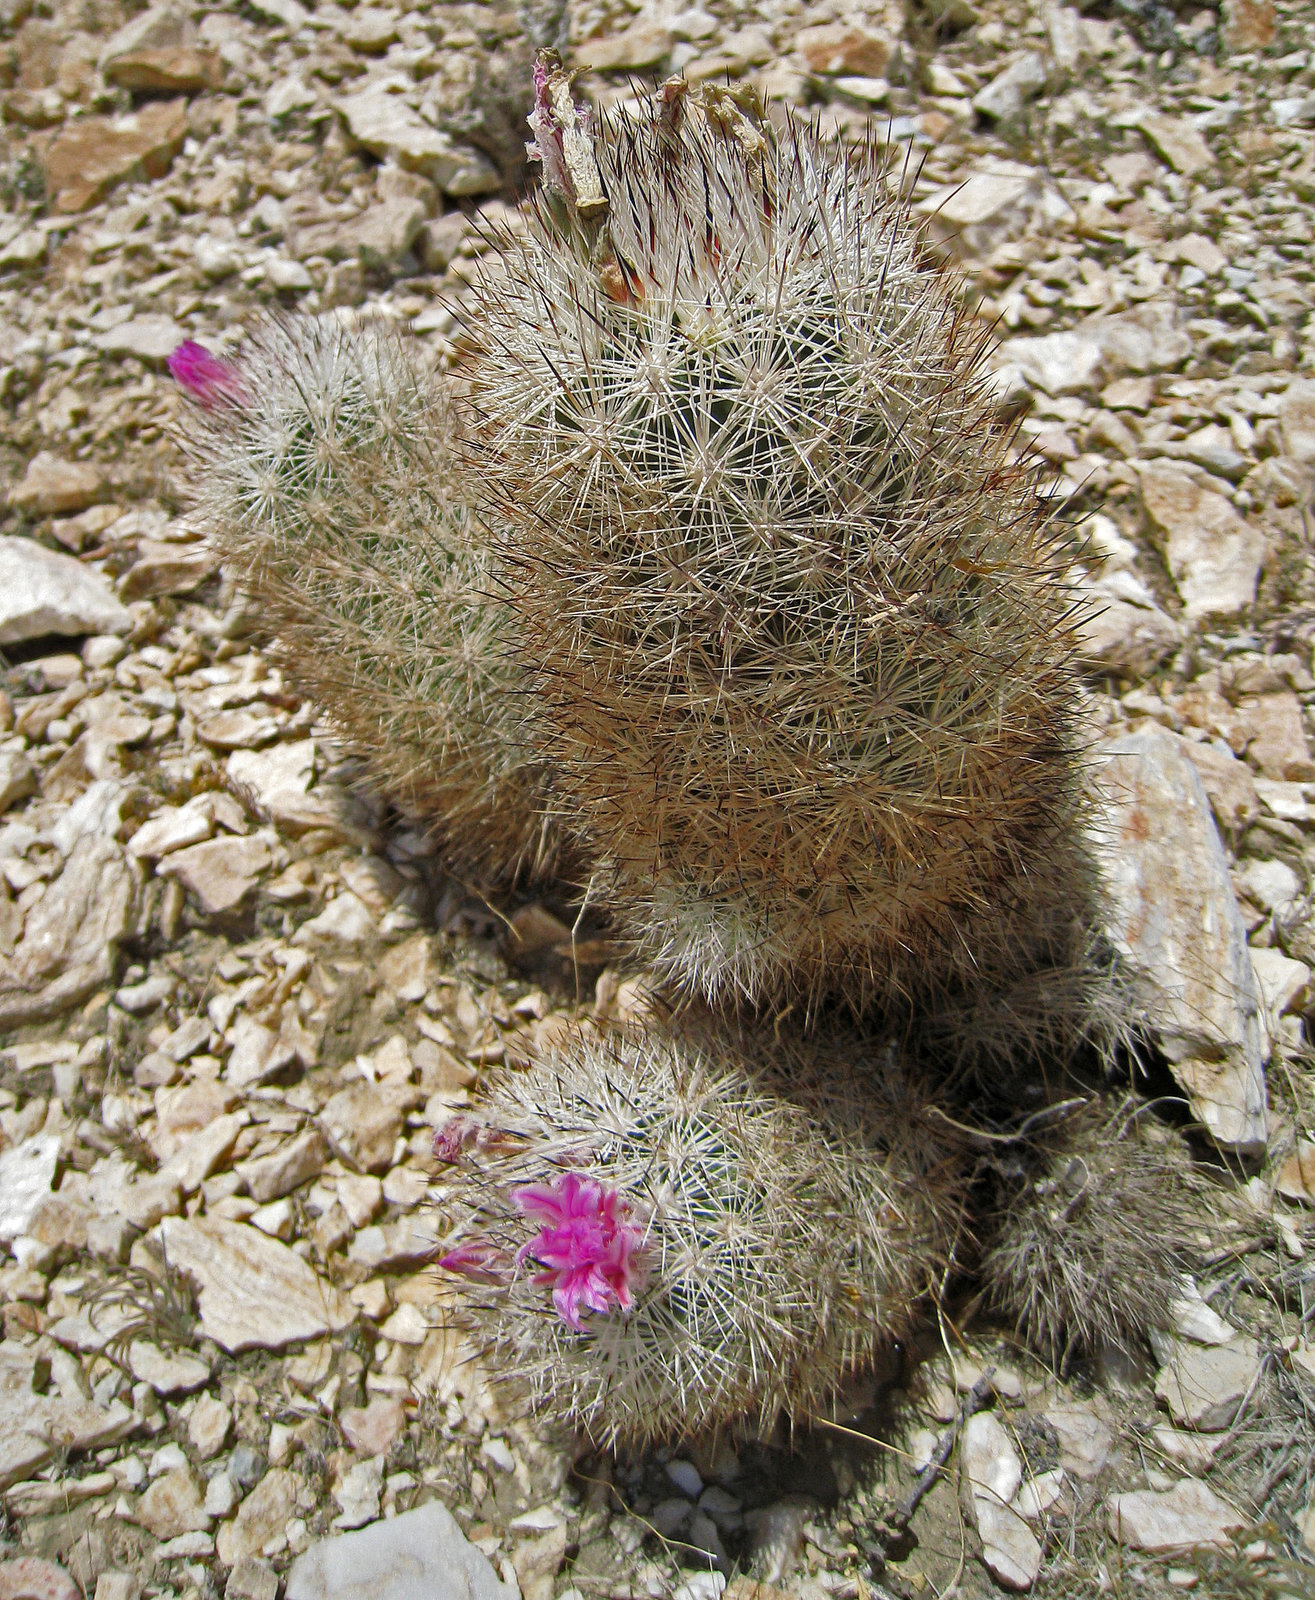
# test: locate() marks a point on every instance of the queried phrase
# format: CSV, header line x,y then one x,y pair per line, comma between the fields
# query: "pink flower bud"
x,y
206,379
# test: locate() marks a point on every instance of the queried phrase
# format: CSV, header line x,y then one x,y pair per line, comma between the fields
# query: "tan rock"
x,y
93,154
220,872
208,1426
1228,784
837,48
173,1505
255,1293
51,485
1203,1385
1248,25
1213,556
1297,421
1187,1517
1276,730
645,45
364,1120
262,1517
294,1163
1178,143
1296,1177
372,1430
1175,921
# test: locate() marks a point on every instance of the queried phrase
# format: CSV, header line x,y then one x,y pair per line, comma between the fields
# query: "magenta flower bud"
x,y
206,379
485,1263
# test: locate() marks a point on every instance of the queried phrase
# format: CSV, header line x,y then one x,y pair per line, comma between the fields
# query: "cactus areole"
x,y
801,635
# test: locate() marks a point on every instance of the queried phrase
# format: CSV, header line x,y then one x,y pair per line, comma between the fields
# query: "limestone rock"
x,y
220,872
1297,420
1085,1438
1213,555
173,1505
93,154
262,1517
1022,80
18,779
364,1119
837,49
1176,922
157,53
297,1162
1228,784
1178,144
358,1493
391,129
1203,1385
633,49
998,201
993,1474
71,935
422,1553
52,486
1167,1521
33,1425
167,1371
44,591
27,1171
255,1293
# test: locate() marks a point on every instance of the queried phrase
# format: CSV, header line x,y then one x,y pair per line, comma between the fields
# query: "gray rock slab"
x,y
71,935
27,1171
421,1555
255,1293
1203,1385
1186,1517
1175,921
43,592
34,1426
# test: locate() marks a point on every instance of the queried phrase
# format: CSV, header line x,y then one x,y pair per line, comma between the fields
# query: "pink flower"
x,y
205,378
589,1244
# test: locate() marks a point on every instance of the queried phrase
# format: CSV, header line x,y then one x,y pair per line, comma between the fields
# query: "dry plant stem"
x,y
802,632
895,1526
329,490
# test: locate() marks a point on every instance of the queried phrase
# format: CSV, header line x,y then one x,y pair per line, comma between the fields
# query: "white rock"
x,y
220,872
391,129
1021,80
1284,985
18,778
171,828
1176,922
1296,415
167,1372
994,1473
1194,1317
421,1555
1203,1385
407,1325
358,1494
35,1425
27,1172
999,200
44,591
70,936
1183,1518
150,338
1213,556
1059,363
1273,885
255,1293
346,920
1085,1438
1036,1495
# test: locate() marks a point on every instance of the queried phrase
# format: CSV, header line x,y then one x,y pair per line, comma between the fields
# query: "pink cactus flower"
x,y
590,1245
205,378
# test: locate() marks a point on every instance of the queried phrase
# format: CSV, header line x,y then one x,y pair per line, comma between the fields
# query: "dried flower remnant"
x,y
204,378
589,1244
562,139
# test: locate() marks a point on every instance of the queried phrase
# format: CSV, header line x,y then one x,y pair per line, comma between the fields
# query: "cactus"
x,y
323,466
1090,1245
802,636
728,1224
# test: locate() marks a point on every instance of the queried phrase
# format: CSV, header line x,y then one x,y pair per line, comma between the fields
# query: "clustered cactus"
x,y
709,579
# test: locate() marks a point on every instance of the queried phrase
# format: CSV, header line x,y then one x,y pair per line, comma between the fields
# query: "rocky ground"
x,y
237,995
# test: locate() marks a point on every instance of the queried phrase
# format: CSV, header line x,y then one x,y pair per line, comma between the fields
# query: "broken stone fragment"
x,y
45,591
93,154
1176,924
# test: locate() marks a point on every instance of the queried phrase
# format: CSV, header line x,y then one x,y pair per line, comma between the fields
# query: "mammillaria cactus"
x,y
323,468
801,636
1090,1244
669,1232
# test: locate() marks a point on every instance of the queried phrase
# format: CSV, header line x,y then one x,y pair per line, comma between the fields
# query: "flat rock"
x,y
220,872
1085,1438
1228,783
1183,1518
71,935
1295,1179
18,778
52,486
645,45
262,1517
359,1492
391,129
157,53
364,1120
1213,556
420,1555
836,49
1059,363
373,1430
1022,80
255,1293
29,1578
173,1505
1296,415
1125,636
998,201
1203,1385
1010,1551
93,154
1175,921
44,591
1178,144
166,566
33,1426
27,1172
298,1161
167,1371
240,729
150,338
346,920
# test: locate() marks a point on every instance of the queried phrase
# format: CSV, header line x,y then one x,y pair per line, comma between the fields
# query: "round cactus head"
x,y
668,1233
800,630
